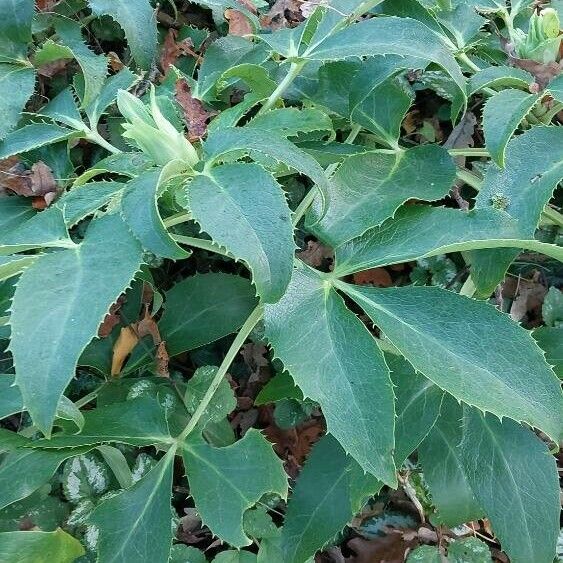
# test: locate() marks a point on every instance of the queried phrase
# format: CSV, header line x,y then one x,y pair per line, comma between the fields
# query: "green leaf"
x,y
555,88
222,403
393,36
123,80
10,397
225,482
33,469
329,491
235,556
502,114
138,20
39,547
45,229
84,200
117,462
94,67
222,55
550,340
14,265
369,187
182,553
48,339
50,52
281,386
17,84
336,362
255,76
467,348
289,122
417,404
533,168
419,231
32,137
63,108
444,471
15,29
253,141
138,422
136,525
499,77
508,465
203,308
244,209
139,207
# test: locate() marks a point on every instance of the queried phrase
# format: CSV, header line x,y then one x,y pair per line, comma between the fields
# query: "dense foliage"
x,y
160,337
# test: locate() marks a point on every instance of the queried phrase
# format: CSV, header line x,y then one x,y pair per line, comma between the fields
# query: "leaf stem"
x,y
95,137
291,75
177,219
468,62
240,339
201,243
469,178
553,216
469,152
311,194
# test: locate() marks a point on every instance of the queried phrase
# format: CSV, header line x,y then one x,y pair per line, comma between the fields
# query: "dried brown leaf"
x,y
238,23
195,114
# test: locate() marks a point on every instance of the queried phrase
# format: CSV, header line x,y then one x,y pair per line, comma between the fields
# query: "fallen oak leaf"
x,y
195,114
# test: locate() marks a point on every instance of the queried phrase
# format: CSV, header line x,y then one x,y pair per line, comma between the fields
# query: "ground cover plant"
x,y
279,282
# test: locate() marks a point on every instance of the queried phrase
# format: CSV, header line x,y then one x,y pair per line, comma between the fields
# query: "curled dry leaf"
x,y
124,345
172,50
378,277
37,183
316,254
195,114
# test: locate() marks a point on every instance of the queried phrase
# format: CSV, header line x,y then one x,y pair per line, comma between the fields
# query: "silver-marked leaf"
x,y
444,471
225,482
329,491
369,187
336,362
243,208
48,339
467,348
139,207
32,137
203,308
16,87
94,67
136,525
40,547
502,114
507,465
138,20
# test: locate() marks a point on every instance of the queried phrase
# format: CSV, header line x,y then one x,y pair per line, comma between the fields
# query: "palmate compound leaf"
x,y
225,482
203,308
420,231
243,208
40,547
369,187
136,525
336,362
502,114
467,348
514,479
392,36
444,472
48,339
533,168
332,486
139,207
138,20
